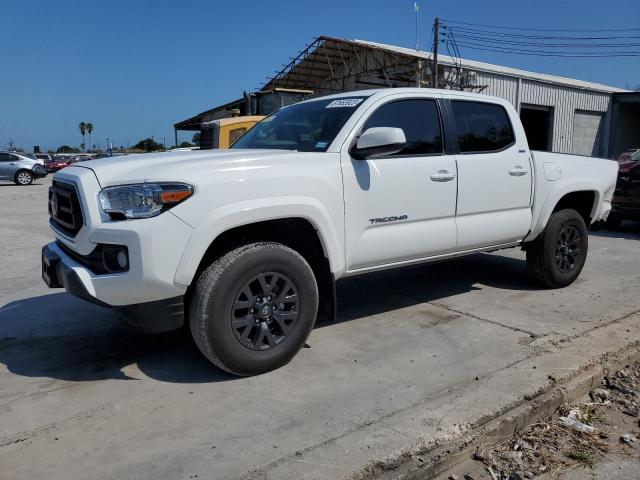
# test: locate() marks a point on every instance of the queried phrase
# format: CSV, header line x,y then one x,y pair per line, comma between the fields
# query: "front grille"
x,y
64,208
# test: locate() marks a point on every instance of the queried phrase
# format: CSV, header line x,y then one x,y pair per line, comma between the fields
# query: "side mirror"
x,y
378,141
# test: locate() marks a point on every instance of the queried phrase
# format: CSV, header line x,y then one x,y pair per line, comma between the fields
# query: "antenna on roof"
x,y
416,9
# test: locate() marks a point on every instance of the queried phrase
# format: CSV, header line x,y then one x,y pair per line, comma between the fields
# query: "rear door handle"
x,y
517,171
443,176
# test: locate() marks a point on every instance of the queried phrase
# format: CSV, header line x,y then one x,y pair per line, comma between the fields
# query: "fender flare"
x,y
555,195
226,217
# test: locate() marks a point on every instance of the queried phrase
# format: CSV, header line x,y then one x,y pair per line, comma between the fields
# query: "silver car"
x,y
20,168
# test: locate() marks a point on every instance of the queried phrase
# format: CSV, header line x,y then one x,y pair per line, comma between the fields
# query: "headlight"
x,y
142,200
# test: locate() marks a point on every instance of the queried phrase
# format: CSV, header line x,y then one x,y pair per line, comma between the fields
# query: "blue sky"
x,y
134,67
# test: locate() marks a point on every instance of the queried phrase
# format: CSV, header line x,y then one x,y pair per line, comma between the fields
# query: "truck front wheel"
x,y
253,308
556,257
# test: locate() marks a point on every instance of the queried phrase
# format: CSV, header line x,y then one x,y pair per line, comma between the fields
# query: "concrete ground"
x,y
415,358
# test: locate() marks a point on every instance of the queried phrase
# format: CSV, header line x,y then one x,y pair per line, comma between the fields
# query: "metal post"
x,y
436,25
416,9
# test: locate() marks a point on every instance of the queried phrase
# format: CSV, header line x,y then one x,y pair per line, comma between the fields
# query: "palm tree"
x,y
89,128
83,130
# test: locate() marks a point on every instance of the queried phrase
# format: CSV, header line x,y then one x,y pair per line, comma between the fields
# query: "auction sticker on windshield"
x,y
344,102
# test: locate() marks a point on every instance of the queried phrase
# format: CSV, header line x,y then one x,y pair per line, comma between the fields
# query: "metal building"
x,y
559,114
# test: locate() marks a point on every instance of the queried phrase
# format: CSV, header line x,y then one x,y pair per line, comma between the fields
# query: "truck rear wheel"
x,y
253,308
556,257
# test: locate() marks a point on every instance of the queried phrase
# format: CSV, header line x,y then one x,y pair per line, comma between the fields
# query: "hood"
x,y
177,166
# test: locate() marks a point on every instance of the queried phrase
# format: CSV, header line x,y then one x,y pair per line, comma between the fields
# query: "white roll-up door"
x,y
586,133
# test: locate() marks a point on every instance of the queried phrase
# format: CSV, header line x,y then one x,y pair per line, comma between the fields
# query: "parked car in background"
x,y
56,164
627,154
20,168
626,198
45,157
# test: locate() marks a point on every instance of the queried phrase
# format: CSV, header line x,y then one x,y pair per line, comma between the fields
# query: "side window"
x,y
236,134
482,127
418,119
6,157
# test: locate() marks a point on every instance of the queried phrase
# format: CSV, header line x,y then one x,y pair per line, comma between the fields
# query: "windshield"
x,y
636,156
306,127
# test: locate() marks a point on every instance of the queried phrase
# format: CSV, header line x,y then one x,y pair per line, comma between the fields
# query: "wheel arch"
x,y
585,198
305,233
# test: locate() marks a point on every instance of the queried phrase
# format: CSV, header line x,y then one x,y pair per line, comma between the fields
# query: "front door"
x,y
494,176
400,207
6,167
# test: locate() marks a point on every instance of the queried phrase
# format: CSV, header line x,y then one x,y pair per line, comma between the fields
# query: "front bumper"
x,y
39,171
156,316
147,292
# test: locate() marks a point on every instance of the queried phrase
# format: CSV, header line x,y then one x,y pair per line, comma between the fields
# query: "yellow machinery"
x,y
223,132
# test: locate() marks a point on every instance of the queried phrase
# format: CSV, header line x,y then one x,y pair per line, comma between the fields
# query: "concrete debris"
x,y
514,456
600,395
627,438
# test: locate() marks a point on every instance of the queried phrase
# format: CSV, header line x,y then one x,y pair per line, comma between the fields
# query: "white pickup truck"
x,y
246,244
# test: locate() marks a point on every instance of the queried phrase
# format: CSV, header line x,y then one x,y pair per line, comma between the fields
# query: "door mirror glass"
x,y
378,141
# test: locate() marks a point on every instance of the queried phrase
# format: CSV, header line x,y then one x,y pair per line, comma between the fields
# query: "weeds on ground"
x,y
583,457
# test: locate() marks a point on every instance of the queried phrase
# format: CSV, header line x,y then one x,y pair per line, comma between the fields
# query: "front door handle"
x,y
517,171
443,176
13,163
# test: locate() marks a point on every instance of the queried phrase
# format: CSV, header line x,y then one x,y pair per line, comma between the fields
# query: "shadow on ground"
x,y
628,230
58,336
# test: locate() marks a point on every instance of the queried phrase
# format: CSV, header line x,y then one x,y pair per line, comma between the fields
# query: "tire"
x,y
556,257
23,178
239,329
613,222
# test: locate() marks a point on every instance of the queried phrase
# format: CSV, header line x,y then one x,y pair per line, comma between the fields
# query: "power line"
x,y
544,53
502,27
544,44
490,33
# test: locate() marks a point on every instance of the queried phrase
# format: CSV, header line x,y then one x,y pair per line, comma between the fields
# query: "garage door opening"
x,y
587,128
537,122
625,124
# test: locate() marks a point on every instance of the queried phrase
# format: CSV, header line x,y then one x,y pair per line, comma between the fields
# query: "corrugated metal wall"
x,y
564,100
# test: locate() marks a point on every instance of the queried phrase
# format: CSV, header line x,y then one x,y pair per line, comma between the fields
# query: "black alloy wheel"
x,y
568,248
265,310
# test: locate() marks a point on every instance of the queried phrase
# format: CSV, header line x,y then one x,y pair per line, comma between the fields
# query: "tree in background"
x,y
66,149
196,138
186,145
148,145
83,129
89,128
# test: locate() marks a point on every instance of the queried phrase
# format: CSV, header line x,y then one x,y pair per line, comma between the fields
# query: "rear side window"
x,y
418,119
482,127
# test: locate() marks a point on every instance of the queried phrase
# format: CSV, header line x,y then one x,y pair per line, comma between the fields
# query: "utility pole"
x,y
416,9
436,25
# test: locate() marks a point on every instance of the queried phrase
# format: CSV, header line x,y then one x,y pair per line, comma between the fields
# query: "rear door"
x,y
494,175
400,207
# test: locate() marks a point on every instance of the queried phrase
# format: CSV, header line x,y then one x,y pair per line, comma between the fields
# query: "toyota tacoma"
x,y
245,245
